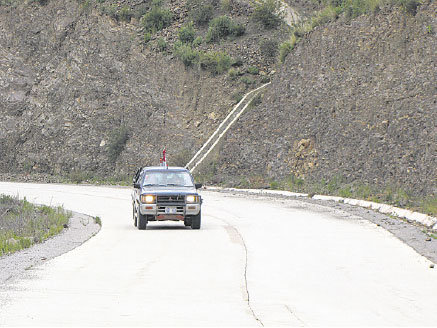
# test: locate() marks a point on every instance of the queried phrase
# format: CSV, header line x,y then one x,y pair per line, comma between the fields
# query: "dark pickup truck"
x,y
162,194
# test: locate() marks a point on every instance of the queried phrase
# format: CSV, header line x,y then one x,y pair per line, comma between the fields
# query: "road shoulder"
x,y
81,228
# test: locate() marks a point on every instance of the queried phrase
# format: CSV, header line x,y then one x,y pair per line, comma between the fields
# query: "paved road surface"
x,y
254,262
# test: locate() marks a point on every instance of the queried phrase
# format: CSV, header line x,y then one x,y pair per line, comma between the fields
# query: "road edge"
x,y
81,227
424,219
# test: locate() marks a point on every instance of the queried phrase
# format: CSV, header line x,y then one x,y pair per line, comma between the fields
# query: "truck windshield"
x,y
168,178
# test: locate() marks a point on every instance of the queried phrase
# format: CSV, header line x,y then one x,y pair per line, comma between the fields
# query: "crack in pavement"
x,y
229,227
294,315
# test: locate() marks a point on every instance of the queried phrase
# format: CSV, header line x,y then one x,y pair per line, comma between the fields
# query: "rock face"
x,y
70,78
355,100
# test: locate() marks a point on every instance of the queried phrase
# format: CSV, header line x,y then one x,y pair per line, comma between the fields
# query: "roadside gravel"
x,y
415,235
80,228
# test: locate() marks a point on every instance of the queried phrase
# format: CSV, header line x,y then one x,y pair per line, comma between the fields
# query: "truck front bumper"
x,y
158,210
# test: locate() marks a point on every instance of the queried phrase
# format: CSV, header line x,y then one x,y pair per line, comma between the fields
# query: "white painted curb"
x,y
426,220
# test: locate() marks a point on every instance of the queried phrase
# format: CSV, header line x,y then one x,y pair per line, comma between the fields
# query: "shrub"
x,y
147,37
237,62
233,73
188,55
187,33
226,5
117,142
286,47
215,62
125,14
255,101
140,11
253,70
162,44
236,97
201,11
221,27
410,6
324,16
111,11
267,13
156,19
269,48
247,80
197,41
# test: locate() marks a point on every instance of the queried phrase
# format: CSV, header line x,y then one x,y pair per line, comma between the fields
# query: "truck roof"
x,y
160,168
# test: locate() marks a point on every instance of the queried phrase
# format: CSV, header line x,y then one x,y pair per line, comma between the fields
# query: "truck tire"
x,y
187,221
196,221
141,220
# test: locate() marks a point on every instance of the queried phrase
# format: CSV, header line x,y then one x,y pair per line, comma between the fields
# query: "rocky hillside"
x,y
101,87
90,87
355,101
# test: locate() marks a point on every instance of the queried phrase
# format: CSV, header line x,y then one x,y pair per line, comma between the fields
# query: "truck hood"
x,y
169,190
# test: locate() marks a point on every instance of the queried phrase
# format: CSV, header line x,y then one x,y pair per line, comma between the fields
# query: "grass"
x,y
23,224
338,186
222,27
98,220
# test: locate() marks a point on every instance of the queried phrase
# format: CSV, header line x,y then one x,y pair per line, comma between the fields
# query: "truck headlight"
x,y
148,199
192,199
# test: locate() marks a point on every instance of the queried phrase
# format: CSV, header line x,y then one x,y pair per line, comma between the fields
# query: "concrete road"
x,y
255,262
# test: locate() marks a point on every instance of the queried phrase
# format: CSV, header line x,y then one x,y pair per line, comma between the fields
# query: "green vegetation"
x,y
338,186
234,73
269,48
200,11
253,70
23,224
221,27
187,33
186,54
236,97
215,62
125,14
156,19
267,12
248,81
349,9
117,142
226,5
212,61
161,44
197,41
98,220
257,100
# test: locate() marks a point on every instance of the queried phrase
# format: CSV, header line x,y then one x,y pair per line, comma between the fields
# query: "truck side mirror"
x,y
136,185
198,185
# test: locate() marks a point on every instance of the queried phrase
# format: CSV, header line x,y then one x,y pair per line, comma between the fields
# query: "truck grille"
x,y
179,210
170,199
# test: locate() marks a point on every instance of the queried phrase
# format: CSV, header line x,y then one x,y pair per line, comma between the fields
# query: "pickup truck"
x,y
163,194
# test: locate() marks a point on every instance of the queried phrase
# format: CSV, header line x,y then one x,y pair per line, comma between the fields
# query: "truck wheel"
x,y
141,220
196,221
187,221
134,216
